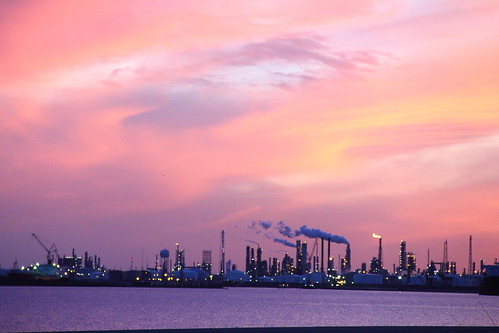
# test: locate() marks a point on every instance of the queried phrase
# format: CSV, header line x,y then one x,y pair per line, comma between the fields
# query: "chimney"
x,y
328,254
470,258
322,255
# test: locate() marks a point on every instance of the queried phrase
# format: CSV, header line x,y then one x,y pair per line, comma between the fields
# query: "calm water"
x,y
86,308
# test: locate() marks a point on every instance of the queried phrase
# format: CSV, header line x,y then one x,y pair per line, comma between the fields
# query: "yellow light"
x,y
376,236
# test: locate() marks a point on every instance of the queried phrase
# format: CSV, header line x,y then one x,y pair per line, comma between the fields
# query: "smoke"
x,y
284,242
265,225
279,240
252,242
288,232
285,230
316,233
253,226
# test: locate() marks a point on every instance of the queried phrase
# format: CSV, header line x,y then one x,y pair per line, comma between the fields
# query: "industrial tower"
x,y
445,259
222,255
470,258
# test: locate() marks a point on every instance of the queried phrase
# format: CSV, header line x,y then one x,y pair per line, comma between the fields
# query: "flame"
x,y
376,236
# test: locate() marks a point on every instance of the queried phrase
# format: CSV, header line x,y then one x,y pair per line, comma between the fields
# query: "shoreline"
x,y
318,329
112,283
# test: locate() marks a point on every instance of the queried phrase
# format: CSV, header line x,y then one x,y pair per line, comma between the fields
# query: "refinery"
x,y
308,266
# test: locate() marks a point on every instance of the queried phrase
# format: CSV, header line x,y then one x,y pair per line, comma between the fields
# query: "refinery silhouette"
x,y
309,265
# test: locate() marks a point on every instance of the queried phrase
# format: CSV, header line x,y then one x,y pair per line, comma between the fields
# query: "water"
x,y
87,308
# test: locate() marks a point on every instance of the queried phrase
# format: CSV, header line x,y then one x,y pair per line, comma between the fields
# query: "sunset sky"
x,y
128,126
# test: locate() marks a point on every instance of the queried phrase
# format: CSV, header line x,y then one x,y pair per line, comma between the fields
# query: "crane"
x,y
50,250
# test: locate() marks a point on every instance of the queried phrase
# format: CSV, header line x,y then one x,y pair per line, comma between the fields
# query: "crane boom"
x,y
50,251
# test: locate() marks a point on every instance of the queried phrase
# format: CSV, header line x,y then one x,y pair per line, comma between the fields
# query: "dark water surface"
x,y
100,308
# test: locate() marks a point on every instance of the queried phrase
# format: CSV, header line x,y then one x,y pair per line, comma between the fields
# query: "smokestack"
x,y
322,255
259,261
304,257
298,258
380,250
380,253
222,254
328,254
247,259
470,258
445,259
348,255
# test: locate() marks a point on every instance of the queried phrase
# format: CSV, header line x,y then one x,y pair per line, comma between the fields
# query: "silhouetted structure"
x,y
346,261
179,258
222,254
411,262
470,258
287,265
445,259
206,263
402,258
301,258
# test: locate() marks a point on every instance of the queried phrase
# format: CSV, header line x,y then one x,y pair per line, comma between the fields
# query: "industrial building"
x,y
311,266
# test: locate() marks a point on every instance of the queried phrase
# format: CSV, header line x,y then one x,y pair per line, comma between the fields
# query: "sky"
x,y
129,126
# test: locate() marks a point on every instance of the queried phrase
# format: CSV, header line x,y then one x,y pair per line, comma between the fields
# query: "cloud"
x,y
191,107
188,118
298,48
293,60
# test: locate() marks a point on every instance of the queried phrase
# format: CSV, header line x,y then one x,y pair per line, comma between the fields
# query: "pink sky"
x,y
128,126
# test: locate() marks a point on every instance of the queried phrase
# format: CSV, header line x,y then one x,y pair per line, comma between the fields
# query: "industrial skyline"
x,y
315,253
127,127
310,267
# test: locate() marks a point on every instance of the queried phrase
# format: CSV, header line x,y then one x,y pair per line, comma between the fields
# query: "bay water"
x,y
105,308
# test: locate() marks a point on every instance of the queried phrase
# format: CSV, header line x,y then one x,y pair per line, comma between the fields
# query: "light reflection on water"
x,y
87,308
